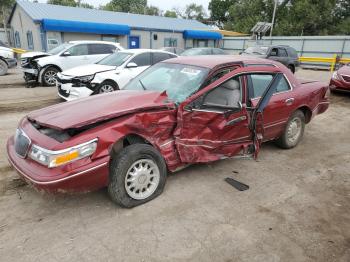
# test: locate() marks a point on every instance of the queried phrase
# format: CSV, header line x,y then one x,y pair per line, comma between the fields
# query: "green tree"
x,y
170,13
194,11
126,6
219,11
86,5
5,9
153,10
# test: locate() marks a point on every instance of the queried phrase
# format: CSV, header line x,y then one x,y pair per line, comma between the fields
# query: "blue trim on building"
x,y
199,34
85,27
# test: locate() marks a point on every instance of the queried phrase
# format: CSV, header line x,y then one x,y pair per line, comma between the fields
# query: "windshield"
x,y
259,50
179,81
59,48
195,51
115,59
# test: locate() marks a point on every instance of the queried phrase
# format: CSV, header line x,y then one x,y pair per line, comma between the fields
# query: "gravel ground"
x,y
297,207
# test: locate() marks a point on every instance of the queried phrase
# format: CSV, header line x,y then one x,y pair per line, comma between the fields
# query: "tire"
x,y
125,179
291,68
107,87
3,67
293,132
49,76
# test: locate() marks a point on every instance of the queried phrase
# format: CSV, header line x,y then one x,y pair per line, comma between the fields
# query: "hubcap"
x,y
294,130
106,89
142,179
50,77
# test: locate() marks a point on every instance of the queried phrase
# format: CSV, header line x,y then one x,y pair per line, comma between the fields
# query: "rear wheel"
x,y
49,76
293,132
107,87
137,175
3,67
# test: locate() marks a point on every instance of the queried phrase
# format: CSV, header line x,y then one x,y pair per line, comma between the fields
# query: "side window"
x,y
274,52
158,57
283,85
78,50
259,82
282,52
142,59
17,40
30,40
99,49
228,94
220,74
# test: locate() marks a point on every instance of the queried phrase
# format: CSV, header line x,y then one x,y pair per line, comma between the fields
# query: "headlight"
x,y
56,158
85,79
335,76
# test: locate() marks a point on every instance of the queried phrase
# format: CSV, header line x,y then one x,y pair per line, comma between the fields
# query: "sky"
x,y
162,4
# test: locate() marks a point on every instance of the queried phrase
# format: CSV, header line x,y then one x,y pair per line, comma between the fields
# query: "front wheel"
x,y
107,87
293,132
137,175
49,76
3,67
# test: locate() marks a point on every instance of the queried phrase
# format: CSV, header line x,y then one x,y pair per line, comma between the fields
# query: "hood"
x,y
344,70
34,54
98,108
3,48
87,70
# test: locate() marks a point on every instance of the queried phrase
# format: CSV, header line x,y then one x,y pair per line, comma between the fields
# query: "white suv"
x,y
7,59
43,67
110,74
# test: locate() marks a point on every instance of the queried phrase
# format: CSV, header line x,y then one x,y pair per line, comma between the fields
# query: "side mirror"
x,y
67,53
131,65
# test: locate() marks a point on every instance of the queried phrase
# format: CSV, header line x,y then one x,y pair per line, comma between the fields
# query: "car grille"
x,y
61,91
346,78
22,143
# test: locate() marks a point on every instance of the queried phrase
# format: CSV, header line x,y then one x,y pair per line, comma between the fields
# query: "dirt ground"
x,y
297,207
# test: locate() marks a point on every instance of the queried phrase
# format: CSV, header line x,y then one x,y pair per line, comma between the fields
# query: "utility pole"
x,y
5,24
273,16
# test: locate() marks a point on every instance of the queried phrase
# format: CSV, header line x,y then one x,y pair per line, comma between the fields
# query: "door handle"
x,y
236,120
289,101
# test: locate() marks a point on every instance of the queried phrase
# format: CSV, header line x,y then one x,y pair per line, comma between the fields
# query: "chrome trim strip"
x,y
215,141
58,180
167,143
275,124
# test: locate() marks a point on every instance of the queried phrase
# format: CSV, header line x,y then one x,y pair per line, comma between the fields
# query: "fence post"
x,y
333,62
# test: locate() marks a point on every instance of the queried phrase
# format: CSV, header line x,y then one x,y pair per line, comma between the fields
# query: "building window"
x,y
30,40
170,42
17,40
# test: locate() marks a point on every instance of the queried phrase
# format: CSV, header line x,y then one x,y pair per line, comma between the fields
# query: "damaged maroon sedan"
x,y
340,80
178,112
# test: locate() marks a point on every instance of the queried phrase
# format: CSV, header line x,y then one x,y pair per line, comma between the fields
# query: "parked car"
x,y
178,112
341,79
173,49
7,59
110,74
281,53
43,67
203,51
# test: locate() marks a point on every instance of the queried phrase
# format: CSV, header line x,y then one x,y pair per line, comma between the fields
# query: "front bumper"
x,y
68,92
87,176
11,62
339,85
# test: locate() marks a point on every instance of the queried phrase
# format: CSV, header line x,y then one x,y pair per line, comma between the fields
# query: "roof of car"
x,y
137,51
93,42
211,61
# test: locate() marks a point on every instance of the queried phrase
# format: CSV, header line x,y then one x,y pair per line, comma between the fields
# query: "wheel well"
x,y
127,141
307,113
57,67
3,59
